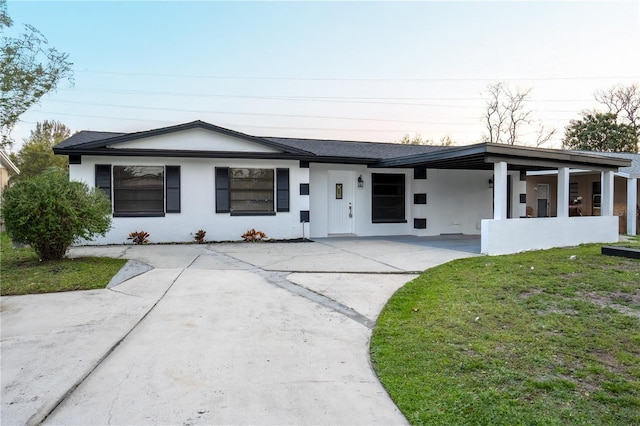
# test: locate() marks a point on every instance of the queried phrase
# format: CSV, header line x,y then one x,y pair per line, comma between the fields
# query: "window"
x,y
138,190
388,199
252,191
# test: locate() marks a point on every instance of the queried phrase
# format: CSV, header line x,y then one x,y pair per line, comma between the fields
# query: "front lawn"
x,y
549,337
21,272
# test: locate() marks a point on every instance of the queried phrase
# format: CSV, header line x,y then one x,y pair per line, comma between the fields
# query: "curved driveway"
x,y
273,333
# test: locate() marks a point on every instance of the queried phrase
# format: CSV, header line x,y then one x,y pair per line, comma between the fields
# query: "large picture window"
x,y
138,190
251,191
388,199
244,191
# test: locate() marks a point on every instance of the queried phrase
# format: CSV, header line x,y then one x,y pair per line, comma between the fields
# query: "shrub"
x,y
253,236
49,213
139,237
199,237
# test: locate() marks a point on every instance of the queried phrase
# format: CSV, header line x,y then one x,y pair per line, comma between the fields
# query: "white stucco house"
x,y
173,181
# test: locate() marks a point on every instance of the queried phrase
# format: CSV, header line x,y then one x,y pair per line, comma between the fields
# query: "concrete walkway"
x,y
273,333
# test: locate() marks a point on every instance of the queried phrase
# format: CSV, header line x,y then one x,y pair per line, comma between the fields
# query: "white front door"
x,y
340,205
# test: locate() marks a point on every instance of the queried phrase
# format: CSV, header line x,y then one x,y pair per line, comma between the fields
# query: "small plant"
x,y
199,237
139,237
252,236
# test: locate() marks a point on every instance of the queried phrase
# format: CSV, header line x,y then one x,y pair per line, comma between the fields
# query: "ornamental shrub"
x,y
49,213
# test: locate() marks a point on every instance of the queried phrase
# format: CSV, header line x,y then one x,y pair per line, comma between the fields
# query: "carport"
x,y
505,234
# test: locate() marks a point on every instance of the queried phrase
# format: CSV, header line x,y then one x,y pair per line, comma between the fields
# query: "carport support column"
x,y
607,194
500,190
632,203
563,192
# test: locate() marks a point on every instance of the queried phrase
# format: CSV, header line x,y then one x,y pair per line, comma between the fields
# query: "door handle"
x,y
350,211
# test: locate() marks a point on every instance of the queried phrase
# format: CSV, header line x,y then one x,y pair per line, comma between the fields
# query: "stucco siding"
x,y
196,140
197,190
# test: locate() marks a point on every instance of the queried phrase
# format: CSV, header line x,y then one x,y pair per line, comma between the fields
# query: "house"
x,y
585,193
7,171
173,181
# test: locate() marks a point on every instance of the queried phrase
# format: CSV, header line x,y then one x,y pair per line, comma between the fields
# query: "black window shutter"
x,y
103,178
222,190
172,189
282,189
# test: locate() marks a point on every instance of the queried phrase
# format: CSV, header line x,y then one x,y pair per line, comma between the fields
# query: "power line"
x,y
353,79
252,113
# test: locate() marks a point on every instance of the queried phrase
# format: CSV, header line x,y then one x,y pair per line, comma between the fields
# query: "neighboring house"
x,y
173,181
585,193
7,171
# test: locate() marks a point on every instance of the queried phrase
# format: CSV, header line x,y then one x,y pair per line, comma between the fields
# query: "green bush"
x,y
49,213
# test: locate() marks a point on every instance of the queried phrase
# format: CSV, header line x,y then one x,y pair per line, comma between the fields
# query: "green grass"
x,y
539,338
21,272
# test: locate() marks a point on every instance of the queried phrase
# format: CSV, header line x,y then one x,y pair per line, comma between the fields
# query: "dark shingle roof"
x,y
356,149
85,136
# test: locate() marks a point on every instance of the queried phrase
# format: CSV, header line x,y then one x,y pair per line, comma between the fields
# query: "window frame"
x,y
378,183
272,192
136,213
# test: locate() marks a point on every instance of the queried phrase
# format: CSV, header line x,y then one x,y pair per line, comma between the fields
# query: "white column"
x,y
607,194
563,192
500,190
632,203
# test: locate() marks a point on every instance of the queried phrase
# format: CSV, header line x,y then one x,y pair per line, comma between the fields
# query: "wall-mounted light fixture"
x,y
360,182
490,182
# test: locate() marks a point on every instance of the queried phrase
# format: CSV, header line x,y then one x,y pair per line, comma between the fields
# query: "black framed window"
x,y
388,198
138,190
251,191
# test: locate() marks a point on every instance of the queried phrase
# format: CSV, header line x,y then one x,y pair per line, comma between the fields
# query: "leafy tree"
x,y
30,69
507,115
624,101
49,213
600,132
36,155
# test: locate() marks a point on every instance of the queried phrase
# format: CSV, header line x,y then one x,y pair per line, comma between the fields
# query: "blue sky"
x,y
333,70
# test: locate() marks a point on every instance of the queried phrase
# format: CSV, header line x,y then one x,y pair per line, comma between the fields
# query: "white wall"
x,y
457,201
196,139
516,235
197,202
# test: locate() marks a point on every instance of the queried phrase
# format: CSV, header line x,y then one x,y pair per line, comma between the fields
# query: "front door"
x,y
341,209
543,199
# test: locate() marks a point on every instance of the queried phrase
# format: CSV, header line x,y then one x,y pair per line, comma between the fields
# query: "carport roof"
x,y
483,156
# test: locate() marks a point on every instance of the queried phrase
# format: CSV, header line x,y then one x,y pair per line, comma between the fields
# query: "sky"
x,y
371,71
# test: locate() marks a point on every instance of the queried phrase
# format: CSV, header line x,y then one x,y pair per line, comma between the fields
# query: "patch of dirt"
x,y
532,292
608,300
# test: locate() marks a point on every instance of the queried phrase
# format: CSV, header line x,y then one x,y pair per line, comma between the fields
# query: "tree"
x,y
30,69
624,101
507,114
598,131
36,155
49,213
417,140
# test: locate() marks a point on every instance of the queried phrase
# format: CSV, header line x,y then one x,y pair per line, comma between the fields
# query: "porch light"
x,y
360,182
490,183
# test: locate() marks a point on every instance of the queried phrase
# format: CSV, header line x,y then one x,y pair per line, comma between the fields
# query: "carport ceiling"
x,y
483,156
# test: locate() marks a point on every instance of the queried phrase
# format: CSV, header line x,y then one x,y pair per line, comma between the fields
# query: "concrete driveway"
x,y
272,333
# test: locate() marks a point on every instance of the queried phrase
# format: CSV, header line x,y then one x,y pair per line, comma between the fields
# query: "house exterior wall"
x,y
585,190
457,201
197,140
198,210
